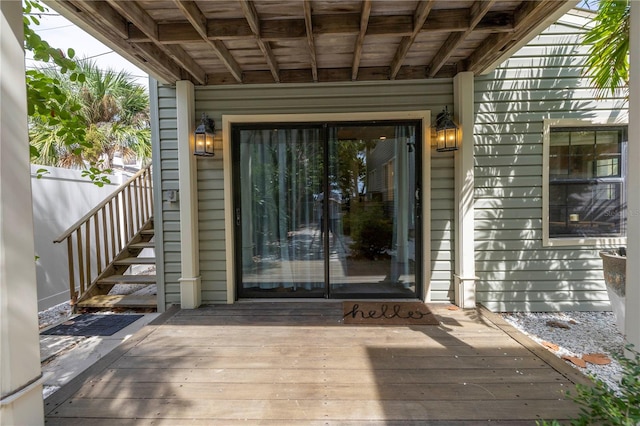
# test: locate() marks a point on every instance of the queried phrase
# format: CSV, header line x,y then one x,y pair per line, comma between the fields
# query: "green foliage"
x,y
79,114
47,103
116,114
601,406
608,60
96,174
41,172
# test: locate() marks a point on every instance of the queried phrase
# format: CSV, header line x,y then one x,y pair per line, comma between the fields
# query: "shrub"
x,y
372,233
602,406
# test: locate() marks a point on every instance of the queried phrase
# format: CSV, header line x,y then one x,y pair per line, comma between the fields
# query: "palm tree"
x,y
608,60
116,112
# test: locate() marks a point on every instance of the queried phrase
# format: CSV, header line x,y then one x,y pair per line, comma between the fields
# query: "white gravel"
x,y
587,332
54,315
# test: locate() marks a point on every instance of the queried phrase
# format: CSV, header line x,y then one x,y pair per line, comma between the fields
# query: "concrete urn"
x,y
614,264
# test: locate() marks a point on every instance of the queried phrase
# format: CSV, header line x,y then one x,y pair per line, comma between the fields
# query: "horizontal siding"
x,y
516,273
442,223
309,99
169,181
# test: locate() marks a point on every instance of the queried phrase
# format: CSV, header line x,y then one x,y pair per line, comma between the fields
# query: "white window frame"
x,y
567,241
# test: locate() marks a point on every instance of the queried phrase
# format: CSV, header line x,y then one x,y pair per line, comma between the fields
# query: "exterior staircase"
x,y
124,270
112,245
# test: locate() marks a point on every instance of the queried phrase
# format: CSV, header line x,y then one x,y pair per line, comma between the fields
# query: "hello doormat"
x,y
388,313
92,325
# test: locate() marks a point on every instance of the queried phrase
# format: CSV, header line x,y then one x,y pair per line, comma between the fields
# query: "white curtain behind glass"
x,y
279,171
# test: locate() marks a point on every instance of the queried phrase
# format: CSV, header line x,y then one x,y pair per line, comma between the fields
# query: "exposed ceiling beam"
x,y
233,29
438,21
478,11
251,14
113,31
198,22
308,24
141,19
172,42
357,49
326,75
137,16
419,18
527,16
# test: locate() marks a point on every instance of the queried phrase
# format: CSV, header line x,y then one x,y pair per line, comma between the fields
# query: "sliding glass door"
x,y
327,210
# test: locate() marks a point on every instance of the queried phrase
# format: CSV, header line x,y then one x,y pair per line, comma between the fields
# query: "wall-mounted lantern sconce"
x,y
446,132
204,137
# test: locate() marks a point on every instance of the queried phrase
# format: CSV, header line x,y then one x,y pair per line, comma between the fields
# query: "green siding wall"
x,y
295,99
543,80
169,217
516,272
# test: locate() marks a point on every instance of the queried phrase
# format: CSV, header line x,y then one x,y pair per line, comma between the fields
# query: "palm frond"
x,y
608,62
115,108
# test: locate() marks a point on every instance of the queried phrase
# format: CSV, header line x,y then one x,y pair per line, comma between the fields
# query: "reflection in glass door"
x,y
326,210
372,178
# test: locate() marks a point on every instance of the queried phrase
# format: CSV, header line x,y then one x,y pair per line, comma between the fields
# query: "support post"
x,y
190,282
632,308
464,272
20,374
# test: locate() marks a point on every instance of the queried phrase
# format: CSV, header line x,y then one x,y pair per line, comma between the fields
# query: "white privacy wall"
x,y
60,198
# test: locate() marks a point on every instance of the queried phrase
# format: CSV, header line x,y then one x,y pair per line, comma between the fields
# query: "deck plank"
x,y
363,377
297,364
297,409
329,362
251,391
387,351
298,339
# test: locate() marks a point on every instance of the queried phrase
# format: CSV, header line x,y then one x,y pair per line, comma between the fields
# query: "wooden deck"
x,y
295,363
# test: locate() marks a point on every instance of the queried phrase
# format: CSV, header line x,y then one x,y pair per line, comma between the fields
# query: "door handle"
x,y
238,216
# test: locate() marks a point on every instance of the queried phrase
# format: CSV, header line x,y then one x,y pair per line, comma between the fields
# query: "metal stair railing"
x,y
95,240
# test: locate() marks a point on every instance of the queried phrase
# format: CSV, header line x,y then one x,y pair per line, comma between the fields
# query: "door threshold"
x,y
324,300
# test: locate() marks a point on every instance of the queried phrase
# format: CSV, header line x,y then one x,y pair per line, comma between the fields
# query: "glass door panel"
x,y
326,210
282,252
372,244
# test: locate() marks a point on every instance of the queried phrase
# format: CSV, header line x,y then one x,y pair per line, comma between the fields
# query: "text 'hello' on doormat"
x,y
92,325
388,313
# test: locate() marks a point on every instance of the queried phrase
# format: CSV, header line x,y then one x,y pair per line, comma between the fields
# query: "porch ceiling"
x,y
295,41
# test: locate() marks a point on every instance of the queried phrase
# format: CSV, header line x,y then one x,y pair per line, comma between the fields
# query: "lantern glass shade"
x,y
203,137
446,132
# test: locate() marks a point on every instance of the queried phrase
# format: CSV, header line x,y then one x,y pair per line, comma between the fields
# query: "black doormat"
x,y
388,313
92,325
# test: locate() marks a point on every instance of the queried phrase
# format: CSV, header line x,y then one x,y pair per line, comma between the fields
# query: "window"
x,y
585,194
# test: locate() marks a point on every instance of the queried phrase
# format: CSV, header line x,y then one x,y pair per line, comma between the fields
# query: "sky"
x,y
61,33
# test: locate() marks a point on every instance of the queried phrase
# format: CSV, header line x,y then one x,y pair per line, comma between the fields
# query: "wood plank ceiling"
x,y
280,41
